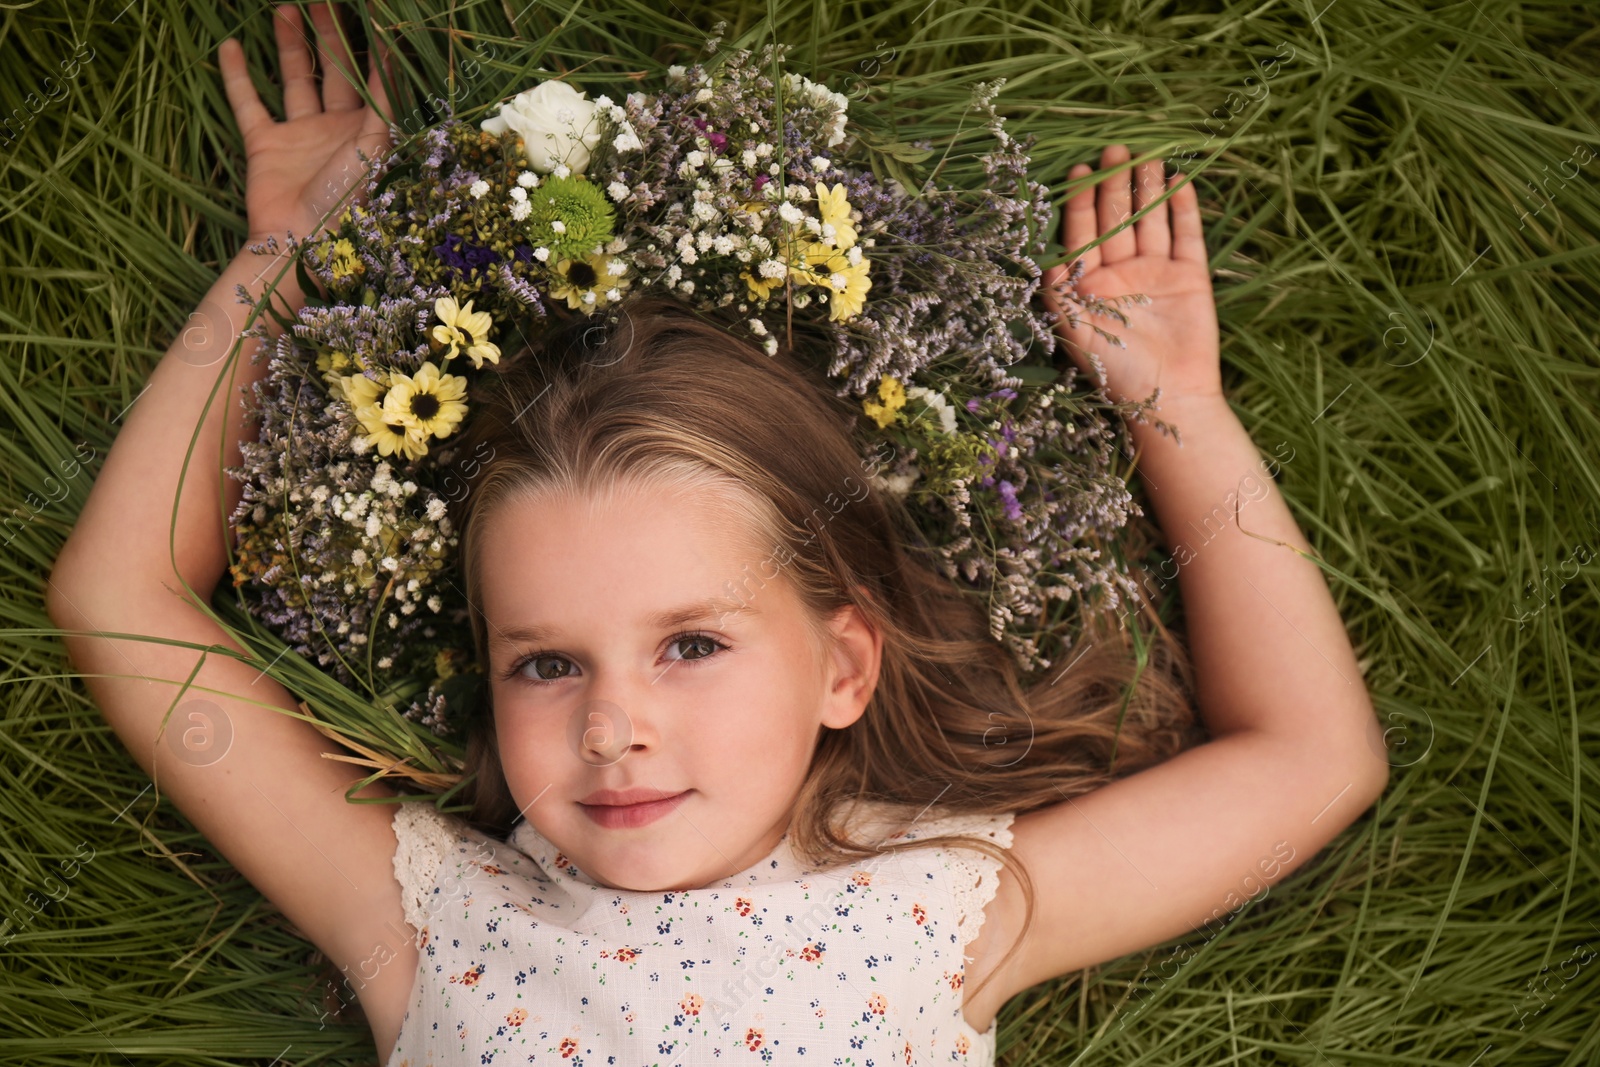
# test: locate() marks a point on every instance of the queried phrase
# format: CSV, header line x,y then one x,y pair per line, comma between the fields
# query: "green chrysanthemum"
x,y
569,216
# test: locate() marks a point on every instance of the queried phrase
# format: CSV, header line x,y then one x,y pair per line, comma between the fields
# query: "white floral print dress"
x,y
525,959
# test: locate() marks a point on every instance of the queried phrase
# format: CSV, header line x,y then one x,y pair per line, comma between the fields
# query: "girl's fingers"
x,y
248,110
1116,206
294,56
1078,220
339,70
376,122
1187,241
1153,232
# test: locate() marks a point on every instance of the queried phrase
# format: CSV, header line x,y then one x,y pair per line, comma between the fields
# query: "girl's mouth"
x,y
629,816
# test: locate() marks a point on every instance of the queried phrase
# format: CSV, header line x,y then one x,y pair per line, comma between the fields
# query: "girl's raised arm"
x,y
250,776
1296,751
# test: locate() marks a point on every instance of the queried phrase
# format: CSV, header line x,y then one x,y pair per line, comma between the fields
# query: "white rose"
x,y
556,123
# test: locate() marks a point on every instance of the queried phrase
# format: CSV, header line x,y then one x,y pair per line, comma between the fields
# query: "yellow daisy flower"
x,y
846,284
427,401
344,262
794,257
587,282
760,288
334,366
893,396
835,211
462,328
361,392
391,437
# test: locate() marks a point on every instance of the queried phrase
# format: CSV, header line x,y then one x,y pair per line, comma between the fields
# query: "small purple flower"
x,y
464,257
1008,493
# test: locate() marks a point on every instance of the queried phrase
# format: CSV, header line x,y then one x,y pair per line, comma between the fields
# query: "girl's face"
x,y
640,644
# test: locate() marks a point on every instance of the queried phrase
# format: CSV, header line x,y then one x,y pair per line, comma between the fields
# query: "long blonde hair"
x,y
667,396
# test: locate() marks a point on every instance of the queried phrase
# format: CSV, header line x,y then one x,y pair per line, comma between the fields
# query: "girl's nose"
x,y
602,731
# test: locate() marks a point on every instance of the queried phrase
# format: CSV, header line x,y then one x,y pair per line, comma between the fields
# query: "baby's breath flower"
x,y
479,189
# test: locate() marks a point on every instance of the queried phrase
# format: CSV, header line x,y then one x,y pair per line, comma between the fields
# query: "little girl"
x,y
755,780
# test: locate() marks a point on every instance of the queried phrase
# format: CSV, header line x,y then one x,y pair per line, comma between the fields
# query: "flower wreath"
x,y
740,192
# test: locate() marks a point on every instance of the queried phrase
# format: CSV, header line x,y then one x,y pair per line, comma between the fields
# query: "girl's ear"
x,y
856,652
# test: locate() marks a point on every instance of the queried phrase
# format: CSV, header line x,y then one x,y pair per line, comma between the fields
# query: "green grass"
x,y
1392,320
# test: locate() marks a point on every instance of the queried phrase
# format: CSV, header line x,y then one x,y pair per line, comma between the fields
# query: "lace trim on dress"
x,y
424,837
974,876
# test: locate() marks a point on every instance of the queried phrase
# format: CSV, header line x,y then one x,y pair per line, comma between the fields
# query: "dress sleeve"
x,y
424,835
973,876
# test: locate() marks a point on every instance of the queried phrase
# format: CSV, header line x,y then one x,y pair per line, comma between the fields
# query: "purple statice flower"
x,y
1008,494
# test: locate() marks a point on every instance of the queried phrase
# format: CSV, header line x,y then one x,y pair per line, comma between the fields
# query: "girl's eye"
x,y
710,645
543,667
559,667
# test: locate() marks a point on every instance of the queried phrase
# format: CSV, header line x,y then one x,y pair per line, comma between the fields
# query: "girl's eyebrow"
x,y
711,607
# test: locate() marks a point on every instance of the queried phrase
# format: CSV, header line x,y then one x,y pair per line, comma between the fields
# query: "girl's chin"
x,y
636,881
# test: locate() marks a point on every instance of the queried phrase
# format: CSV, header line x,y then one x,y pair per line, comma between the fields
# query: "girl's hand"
x,y
1172,342
299,169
